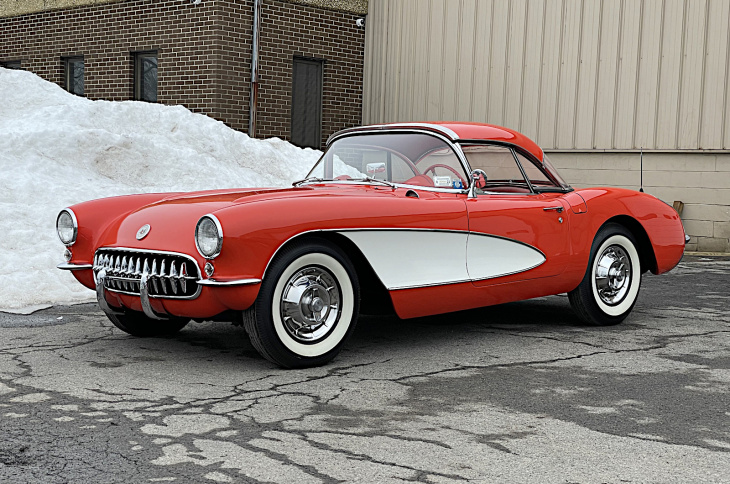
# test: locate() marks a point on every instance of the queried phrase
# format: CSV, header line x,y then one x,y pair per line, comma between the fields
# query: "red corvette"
x,y
420,218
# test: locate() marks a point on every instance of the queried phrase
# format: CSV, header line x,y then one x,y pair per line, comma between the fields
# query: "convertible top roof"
x,y
458,131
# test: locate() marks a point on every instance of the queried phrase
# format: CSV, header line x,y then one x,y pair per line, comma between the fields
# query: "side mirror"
x,y
478,180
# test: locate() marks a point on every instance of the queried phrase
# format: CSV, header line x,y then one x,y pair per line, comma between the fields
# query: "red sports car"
x,y
420,218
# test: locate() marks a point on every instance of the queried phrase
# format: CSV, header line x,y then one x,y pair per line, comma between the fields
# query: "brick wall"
x,y
290,30
204,54
105,35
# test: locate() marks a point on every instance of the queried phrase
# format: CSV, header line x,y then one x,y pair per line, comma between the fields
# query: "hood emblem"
x,y
143,231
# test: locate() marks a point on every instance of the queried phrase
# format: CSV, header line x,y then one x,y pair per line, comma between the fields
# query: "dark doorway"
x,y
306,104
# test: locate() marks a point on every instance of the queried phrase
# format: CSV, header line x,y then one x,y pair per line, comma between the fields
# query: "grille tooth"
x,y
183,280
163,276
154,267
146,267
137,270
117,264
124,266
154,284
173,277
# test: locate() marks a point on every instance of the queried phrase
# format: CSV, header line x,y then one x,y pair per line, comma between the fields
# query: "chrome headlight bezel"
x,y
219,235
75,227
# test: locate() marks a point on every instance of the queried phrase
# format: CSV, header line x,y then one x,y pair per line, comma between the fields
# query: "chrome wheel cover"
x,y
310,304
613,275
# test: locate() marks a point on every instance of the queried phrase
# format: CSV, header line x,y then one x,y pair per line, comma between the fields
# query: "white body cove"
x,y
406,258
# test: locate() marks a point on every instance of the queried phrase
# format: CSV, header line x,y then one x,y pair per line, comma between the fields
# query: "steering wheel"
x,y
433,167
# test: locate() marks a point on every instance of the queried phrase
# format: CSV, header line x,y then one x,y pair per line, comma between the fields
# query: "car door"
x,y
515,233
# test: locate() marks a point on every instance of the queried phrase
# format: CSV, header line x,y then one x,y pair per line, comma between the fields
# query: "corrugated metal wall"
x,y
571,74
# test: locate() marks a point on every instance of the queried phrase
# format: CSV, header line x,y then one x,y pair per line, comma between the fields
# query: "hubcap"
x,y
613,275
310,304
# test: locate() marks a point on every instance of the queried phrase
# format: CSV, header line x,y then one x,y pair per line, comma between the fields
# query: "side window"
x,y
503,174
534,174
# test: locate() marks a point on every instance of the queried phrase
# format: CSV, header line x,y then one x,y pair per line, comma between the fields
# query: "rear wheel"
x,y
137,324
307,306
610,287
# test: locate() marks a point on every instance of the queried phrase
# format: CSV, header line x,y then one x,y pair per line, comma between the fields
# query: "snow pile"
x,y
57,149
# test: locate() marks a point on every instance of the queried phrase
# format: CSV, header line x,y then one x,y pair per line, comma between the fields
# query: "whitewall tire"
x,y
610,288
307,305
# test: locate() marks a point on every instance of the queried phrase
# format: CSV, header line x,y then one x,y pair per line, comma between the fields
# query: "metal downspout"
x,y
254,69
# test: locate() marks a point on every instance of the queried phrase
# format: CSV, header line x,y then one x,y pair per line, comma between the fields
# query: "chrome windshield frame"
x,y
389,129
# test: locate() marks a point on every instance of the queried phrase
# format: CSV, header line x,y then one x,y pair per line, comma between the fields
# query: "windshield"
x,y
408,158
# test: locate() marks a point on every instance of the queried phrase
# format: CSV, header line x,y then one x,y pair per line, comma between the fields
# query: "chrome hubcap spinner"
x,y
310,304
613,275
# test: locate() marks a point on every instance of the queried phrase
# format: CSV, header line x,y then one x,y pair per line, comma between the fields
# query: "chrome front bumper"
x,y
143,296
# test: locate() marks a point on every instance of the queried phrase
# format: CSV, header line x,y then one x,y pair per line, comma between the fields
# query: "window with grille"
x,y
145,76
15,64
73,68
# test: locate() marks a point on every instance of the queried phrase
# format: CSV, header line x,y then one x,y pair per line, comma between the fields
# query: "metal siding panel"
x,y
394,54
671,67
421,40
533,67
585,110
647,91
378,110
568,87
406,61
627,76
690,100
450,61
480,97
435,54
713,98
515,63
497,62
608,69
465,86
371,66
550,72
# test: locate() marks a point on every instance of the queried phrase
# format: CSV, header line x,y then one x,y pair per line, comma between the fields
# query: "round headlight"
x,y
67,227
209,236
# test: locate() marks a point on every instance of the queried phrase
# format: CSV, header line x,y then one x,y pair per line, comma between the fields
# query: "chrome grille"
x,y
170,275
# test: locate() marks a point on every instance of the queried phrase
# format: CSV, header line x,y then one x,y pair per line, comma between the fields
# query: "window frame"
x,y
514,149
137,74
68,73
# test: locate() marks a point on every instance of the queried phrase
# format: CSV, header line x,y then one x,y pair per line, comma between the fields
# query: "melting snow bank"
x,y
57,149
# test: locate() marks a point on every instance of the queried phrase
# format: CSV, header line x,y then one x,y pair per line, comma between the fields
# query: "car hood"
x,y
172,220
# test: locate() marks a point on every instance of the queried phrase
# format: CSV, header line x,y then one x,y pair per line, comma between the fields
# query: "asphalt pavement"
x,y
521,392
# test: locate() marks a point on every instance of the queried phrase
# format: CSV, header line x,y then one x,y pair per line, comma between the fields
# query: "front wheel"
x,y
307,306
137,324
610,287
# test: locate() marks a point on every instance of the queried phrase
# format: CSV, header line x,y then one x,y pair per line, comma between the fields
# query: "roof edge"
x,y
356,7
15,8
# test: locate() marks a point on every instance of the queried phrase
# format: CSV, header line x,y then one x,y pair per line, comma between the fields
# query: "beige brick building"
x,y
593,82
